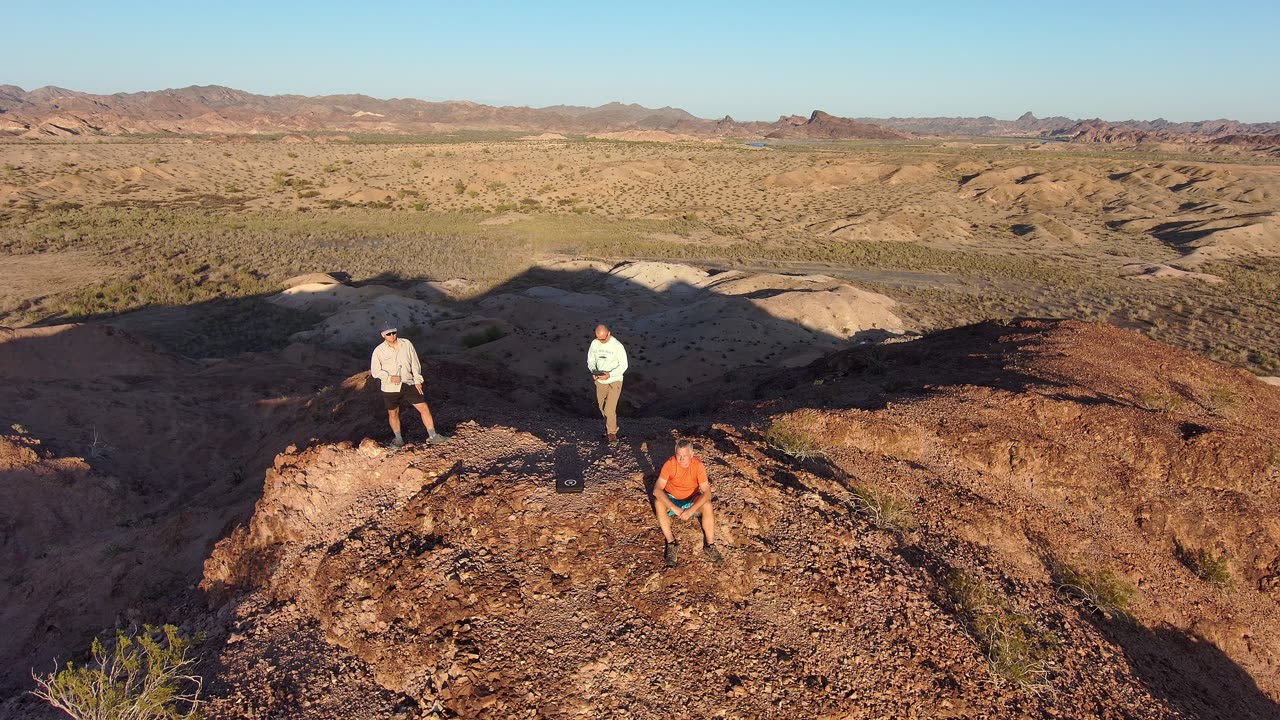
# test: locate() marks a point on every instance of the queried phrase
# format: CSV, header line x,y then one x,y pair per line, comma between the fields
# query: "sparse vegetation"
x,y
1018,651
142,676
973,268
1205,564
794,435
885,508
488,335
1098,589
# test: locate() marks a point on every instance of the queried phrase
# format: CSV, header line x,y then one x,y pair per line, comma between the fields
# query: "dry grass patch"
x,y
1018,651
796,435
1096,588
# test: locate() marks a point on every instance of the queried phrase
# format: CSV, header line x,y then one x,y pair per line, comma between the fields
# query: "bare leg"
x,y
425,412
393,418
708,523
664,521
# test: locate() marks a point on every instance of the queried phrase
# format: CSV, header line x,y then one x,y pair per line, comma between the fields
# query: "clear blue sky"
x,y
754,60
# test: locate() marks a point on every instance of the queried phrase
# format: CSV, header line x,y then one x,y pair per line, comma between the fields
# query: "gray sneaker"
x,y
713,554
671,554
438,439
397,442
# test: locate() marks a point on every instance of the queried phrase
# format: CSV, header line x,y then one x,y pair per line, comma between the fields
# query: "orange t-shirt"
x,y
683,482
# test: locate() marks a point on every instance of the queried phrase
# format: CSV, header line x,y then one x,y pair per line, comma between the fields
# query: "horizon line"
x,y
633,104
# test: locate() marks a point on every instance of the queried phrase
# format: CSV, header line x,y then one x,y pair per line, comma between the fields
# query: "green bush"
x,y
488,335
1099,589
144,676
1205,564
1018,651
793,435
885,509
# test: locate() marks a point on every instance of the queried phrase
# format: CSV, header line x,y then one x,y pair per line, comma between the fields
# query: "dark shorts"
x,y
684,504
407,393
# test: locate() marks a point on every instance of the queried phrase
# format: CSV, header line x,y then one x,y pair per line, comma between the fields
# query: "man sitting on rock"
x,y
395,364
683,492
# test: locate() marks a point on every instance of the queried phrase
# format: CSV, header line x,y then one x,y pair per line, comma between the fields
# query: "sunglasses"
x,y
389,334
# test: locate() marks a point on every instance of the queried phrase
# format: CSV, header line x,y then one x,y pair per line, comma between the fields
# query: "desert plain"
x,y
1183,247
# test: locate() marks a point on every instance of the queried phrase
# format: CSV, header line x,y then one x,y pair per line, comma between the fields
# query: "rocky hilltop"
x,y
1031,519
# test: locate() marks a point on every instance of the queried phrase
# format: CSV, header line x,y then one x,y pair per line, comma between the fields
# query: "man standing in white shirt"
x,y
395,364
607,361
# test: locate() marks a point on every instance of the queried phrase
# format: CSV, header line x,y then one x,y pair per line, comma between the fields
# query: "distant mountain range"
x,y
52,112
1095,130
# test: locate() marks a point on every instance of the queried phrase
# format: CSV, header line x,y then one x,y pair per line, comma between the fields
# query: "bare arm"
x,y
704,497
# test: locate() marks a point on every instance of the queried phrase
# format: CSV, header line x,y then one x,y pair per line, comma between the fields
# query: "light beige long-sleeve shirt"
x,y
401,360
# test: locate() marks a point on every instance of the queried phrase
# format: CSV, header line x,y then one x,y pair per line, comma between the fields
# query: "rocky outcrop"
x,y
457,580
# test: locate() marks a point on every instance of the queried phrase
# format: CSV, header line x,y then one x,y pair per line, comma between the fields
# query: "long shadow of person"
x,y
649,456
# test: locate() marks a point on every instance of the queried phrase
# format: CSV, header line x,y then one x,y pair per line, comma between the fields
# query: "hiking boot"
x,y
438,439
611,438
713,554
397,442
671,554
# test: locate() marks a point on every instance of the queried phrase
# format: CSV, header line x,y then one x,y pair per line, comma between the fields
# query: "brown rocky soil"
x,y
121,466
459,583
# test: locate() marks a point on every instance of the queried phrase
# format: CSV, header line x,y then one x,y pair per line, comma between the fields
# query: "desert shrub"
x,y
1205,564
1158,401
1220,399
1098,589
886,509
309,193
488,335
459,187
144,676
794,436
1018,651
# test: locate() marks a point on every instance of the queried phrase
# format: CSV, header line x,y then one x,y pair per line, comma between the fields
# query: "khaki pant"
x,y
607,395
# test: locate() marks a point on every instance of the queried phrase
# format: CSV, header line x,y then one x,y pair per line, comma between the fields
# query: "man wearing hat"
x,y
395,363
